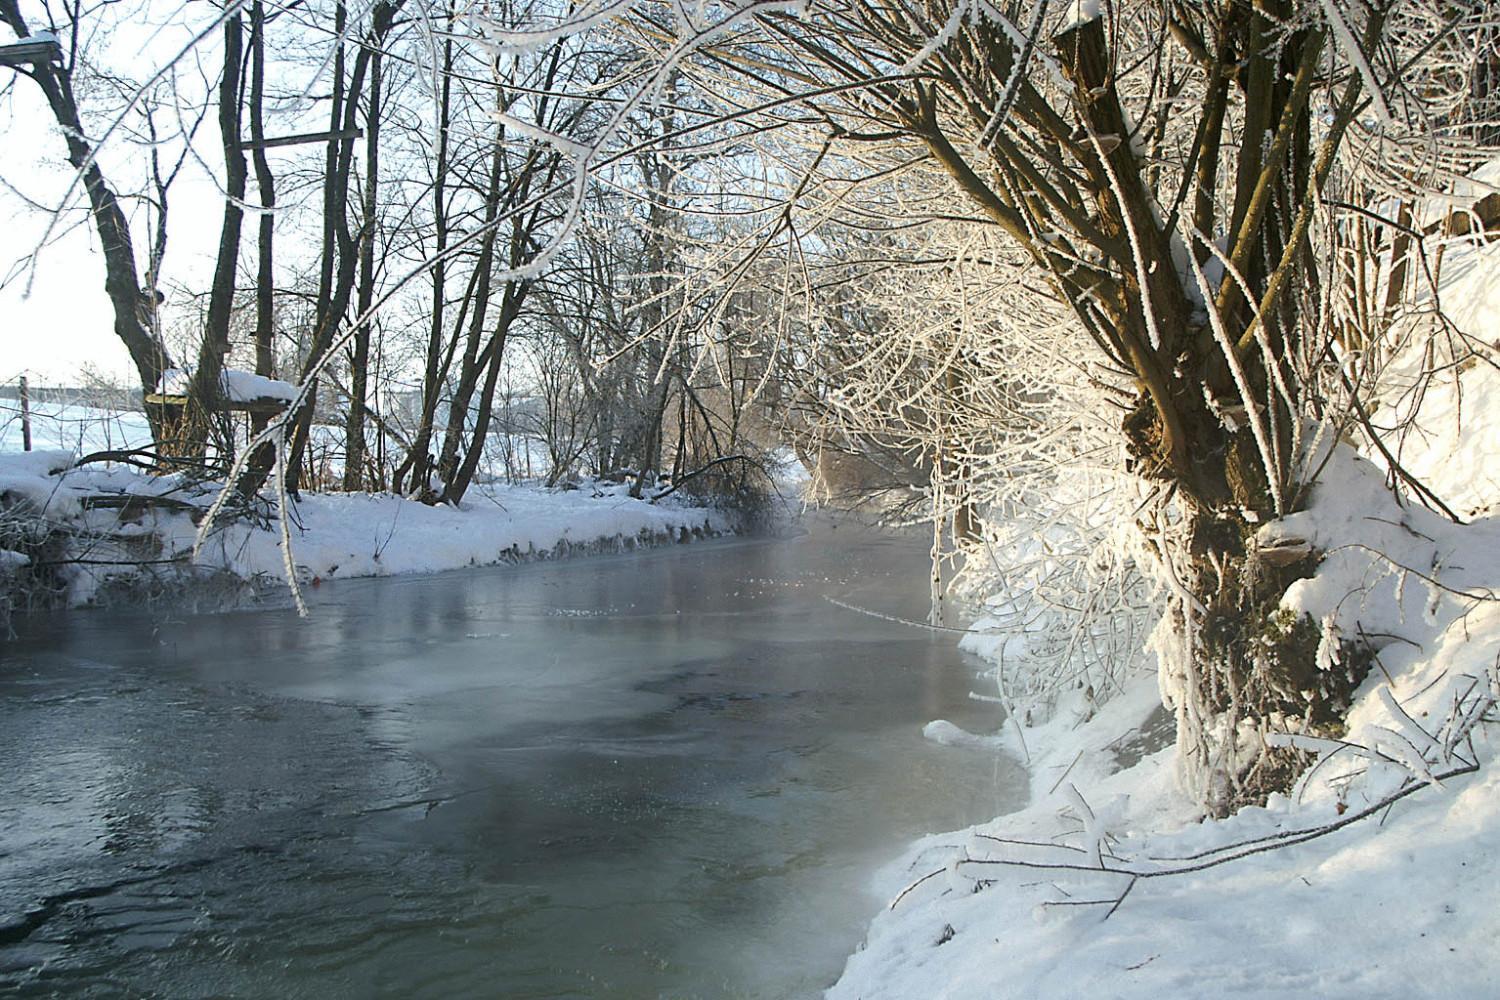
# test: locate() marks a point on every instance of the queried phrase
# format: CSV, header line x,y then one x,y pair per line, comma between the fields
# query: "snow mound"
x,y
1371,879
943,732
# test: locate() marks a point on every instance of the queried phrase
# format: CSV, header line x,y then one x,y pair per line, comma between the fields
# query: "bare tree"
x,y
132,305
205,393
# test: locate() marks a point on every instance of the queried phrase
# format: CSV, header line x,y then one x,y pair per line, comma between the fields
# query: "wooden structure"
x,y
302,138
268,405
174,416
38,50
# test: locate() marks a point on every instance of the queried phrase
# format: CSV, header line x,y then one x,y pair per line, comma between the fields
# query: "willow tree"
x,y
1180,176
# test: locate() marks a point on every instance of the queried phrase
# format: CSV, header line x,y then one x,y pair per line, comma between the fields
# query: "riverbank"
x,y
1373,878
81,536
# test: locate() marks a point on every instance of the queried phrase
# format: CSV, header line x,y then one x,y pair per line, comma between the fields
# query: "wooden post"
x,y
25,415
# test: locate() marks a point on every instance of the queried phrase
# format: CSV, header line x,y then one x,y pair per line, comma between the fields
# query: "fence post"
x,y
25,416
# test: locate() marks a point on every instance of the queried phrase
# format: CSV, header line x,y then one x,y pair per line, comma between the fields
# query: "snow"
x,y
1080,12
1454,445
345,535
1372,879
1483,181
1392,908
32,476
945,733
73,427
238,386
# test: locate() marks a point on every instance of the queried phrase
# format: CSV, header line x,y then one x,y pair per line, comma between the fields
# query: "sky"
x,y
63,323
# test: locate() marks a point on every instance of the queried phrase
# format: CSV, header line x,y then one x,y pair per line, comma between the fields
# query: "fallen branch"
x,y
683,481
114,562
1261,845
132,501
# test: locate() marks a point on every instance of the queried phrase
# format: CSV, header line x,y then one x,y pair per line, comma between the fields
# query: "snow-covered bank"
x,y
1374,878
106,520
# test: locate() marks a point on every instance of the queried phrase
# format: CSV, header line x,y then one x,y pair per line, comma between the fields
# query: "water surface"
x,y
657,775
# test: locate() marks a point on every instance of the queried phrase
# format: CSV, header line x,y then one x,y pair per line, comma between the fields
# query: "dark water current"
x,y
659,775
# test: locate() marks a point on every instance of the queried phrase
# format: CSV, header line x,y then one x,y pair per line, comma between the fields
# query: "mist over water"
x,y
661,775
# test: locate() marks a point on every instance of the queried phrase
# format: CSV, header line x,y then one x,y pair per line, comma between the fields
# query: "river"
x,y
669,774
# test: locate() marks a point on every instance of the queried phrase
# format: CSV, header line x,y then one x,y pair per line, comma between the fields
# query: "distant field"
x,y
87,429
72,427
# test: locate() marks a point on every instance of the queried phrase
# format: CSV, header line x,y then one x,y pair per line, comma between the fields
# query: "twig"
x,y
1065,773
1286,838
1121,899
903,621
112,562
1488,595
924,878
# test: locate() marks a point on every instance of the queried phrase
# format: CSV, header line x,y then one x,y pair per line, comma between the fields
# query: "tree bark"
x,y
339,248
417,462
260,463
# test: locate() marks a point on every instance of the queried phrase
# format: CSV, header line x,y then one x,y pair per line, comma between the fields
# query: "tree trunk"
x,y
494,354
339,247
1242,665
418,456
204,408
470,369
265,277
354,452
132,308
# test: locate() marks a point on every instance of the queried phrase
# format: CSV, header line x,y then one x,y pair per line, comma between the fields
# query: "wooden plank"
x,y
266,404
162,399
302,138
30,53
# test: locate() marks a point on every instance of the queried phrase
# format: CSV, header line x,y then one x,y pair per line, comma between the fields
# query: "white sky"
x,y
66,323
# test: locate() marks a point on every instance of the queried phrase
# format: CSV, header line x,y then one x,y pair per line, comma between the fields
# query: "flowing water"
x,y
660,775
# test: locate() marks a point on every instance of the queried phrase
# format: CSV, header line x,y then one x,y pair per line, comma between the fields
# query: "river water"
x,y
659,775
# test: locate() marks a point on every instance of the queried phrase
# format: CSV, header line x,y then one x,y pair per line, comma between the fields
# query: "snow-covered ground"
x,y
1374,878
333,536
72,427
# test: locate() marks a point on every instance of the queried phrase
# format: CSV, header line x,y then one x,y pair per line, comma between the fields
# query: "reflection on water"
x,y
664,775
